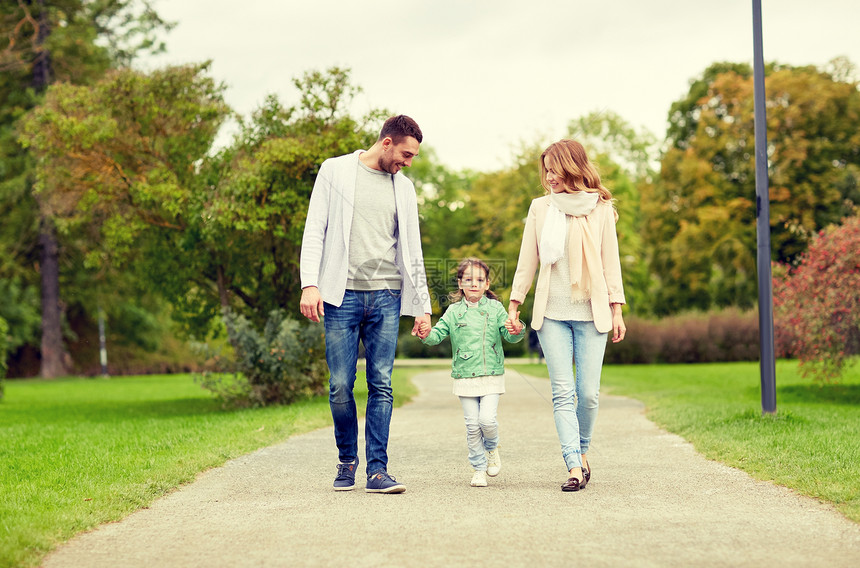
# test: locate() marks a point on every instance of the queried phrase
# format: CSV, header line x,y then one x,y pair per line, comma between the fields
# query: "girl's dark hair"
x,y
457,295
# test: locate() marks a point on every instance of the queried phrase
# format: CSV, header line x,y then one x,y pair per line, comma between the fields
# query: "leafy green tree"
x,y
607,134
42,42
700,215
121,158
129,155
258,191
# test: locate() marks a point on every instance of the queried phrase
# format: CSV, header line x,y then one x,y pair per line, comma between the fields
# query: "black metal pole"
x,y
765,283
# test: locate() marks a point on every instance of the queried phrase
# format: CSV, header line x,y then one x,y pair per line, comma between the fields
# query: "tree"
x,y
700,215
607,134
258,191
122,157
42,42
212,233
817,302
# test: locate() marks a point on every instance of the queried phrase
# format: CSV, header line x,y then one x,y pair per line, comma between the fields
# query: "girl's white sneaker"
x,y
494,463
479,479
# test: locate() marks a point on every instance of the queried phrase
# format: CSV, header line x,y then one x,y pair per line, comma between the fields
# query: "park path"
x,y
653,501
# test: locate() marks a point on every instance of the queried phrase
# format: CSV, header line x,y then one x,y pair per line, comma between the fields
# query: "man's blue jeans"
x,y
374,318
567,344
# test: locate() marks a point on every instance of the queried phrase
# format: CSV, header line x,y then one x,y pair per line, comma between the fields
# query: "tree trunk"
x,y
222,288
53,352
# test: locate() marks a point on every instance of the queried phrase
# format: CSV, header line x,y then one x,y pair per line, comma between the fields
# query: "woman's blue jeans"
x,y
374,318
574,398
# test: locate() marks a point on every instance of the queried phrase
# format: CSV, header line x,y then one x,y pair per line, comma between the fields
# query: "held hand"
x,y
514,325
618,328
312,304
420,322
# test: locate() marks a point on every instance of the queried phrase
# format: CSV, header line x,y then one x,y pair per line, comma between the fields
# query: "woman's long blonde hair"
x,y
568,161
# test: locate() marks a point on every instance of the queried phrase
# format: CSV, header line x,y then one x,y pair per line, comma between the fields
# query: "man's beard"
x,y
386,166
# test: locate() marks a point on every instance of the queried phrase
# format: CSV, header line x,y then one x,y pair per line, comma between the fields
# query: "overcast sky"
x,y
481,76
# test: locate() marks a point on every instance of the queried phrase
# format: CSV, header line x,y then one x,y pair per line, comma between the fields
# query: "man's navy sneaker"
x,y
381,482
345,480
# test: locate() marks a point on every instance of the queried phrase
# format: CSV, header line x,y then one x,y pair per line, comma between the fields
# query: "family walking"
x,y
362,268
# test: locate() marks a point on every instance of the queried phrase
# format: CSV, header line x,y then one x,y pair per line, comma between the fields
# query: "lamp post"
x,y
765,282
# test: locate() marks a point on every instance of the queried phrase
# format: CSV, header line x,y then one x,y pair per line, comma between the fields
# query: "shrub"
x,y
729,335
817,302
283,364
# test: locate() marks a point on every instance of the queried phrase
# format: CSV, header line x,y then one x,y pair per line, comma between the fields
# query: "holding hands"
x,y
422,326
513,323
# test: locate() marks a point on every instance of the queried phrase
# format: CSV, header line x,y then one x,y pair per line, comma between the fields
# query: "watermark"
x,y
440,273
442,277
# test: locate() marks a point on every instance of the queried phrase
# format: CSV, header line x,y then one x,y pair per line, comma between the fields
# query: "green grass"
x,y
811,445
77,453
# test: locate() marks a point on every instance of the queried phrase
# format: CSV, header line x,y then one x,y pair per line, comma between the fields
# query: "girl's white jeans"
x,y
482,428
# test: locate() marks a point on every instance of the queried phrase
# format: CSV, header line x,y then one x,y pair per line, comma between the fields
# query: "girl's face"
x,y
474,283
552,179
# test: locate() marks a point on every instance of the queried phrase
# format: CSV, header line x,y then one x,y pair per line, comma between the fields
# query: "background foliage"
x,y
44,43
164,232
700,215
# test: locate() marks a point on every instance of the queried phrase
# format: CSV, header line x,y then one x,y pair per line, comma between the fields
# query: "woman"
x,y
570,233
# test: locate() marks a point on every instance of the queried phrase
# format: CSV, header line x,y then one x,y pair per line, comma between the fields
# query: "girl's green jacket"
x,y
476,337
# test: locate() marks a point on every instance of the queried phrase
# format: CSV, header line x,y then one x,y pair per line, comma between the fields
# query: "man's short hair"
x,y
399,127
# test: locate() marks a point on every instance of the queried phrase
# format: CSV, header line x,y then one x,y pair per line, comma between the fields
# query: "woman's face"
x,y
474,283
552,179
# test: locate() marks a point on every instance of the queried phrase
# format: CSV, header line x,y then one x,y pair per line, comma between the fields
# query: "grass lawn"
x,y
78,452
811,445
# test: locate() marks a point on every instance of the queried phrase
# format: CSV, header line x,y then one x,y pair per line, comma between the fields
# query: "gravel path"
x,y
652,501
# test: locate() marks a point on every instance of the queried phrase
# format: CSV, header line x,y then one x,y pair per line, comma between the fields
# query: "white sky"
x,y
482,76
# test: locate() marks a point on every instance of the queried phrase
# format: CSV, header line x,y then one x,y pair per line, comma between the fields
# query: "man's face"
x,y
397,156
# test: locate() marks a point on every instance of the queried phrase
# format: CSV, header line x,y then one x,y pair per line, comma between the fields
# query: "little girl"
x,y
477,321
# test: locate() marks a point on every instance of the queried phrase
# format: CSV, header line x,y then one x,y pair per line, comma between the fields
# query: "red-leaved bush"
x,y
817,302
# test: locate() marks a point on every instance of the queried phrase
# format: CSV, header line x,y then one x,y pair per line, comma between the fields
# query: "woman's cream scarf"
x,y
582,248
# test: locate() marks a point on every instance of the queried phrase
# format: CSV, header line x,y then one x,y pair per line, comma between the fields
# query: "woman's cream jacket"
x,y
605,291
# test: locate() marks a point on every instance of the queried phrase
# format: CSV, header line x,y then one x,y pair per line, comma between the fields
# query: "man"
x,y
362,268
